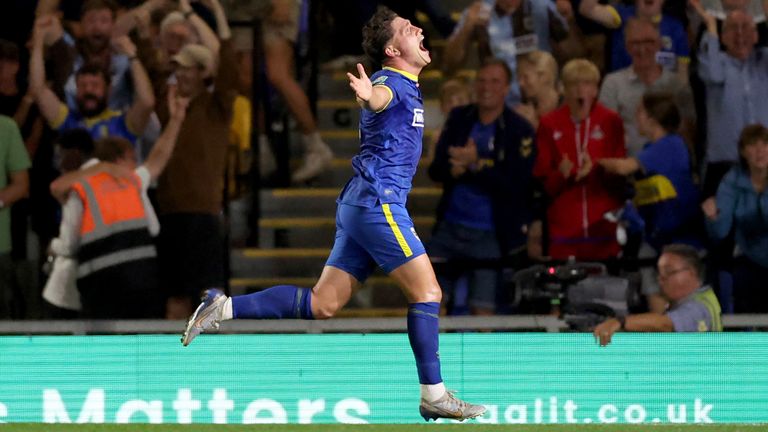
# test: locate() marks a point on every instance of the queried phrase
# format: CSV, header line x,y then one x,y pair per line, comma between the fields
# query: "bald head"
x,y
739,34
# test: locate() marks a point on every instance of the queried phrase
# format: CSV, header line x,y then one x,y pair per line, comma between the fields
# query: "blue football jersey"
x,y
390,144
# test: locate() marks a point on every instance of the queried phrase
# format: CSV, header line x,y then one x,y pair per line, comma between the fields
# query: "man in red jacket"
x,y
570,141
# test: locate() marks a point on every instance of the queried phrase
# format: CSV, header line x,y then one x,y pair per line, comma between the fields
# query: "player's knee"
x,y
325,309
431,294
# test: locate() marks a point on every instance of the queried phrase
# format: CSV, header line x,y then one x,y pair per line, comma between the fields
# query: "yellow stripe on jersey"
x,y
396,230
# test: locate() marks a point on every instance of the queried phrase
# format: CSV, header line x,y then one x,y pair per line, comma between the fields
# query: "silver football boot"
x,y
450,407
207,316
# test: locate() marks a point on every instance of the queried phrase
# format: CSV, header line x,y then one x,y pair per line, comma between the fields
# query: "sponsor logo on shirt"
x,y
380,80
418,117
597,133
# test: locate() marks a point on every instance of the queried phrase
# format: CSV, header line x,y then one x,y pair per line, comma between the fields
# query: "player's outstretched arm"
x,y
370,97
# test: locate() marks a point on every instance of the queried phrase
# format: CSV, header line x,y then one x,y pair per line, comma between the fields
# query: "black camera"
x,y
581,293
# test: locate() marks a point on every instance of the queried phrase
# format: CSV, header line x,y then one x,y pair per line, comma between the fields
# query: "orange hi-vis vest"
x,y
114,229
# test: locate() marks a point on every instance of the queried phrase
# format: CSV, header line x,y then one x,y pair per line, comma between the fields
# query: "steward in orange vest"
x,y
117,268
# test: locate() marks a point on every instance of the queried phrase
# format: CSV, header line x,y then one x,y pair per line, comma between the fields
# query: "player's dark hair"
x,y
689,254
76,139
662,108
750,135
94,69
112,148
376,33
494,61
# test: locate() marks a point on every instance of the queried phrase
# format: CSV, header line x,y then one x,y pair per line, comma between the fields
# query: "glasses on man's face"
x,y
668,274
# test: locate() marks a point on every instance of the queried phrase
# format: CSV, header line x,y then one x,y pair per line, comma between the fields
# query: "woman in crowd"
x,y
665,192
741,207
537,76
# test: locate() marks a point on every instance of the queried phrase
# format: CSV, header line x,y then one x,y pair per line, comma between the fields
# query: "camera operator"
x,y
692,307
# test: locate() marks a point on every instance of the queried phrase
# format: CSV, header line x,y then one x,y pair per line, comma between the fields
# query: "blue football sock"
x,y
278,302
423,333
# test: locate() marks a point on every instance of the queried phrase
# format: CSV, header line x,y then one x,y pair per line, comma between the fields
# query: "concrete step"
x,y
316,232
314,202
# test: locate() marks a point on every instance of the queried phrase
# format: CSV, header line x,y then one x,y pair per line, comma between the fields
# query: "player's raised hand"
x,y
361,85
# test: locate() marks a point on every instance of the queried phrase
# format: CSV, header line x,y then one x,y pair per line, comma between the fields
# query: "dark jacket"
x,y
509,180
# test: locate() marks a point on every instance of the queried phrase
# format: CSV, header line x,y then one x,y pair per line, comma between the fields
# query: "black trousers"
x,y
124,291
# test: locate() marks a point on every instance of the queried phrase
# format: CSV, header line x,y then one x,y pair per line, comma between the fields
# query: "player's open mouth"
x,y
422,47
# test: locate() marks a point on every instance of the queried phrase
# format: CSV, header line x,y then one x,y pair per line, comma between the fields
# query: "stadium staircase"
x,y
298,224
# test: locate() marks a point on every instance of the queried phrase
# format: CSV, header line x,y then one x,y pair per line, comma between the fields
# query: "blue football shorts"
x,y
383,235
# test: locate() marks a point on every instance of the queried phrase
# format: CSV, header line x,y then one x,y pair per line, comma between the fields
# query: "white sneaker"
x,y
318,157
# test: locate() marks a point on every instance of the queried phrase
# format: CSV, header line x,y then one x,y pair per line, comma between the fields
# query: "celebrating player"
x,y
372,224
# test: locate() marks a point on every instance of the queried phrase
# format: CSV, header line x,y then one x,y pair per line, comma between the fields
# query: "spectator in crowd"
x,y
190,190
484,159
281,29
569,140
665,193
14,185
623,90
146,297
16,103
736,83
693,307
68,55
505,29
721,8
741,206
177,28
93,90
674,52
537,76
